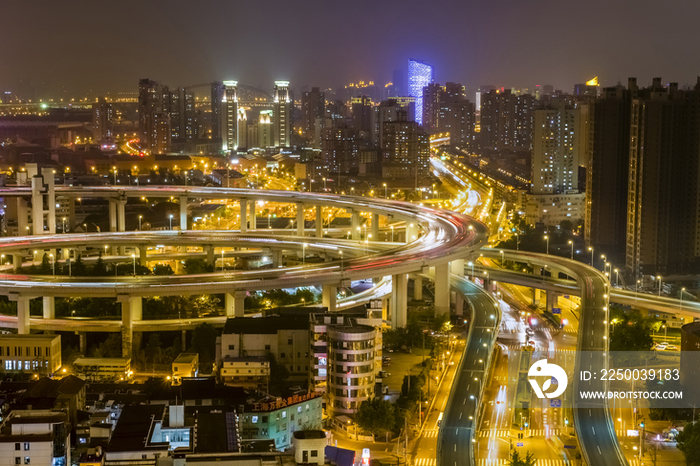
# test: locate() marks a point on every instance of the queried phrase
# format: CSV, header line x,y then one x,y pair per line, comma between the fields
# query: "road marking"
x,y
593,429
598,447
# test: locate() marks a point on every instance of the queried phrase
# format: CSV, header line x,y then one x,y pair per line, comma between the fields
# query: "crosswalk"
x,y
504,433
424,462
504,462
430,433
519,347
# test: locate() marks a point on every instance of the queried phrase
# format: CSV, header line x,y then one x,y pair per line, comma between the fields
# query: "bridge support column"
x,y
49,307
184,340
82,337
277,258
536,293
375,227
183,213
319,221
131,311
355,225
253,218
300,219
442,289
235,303
411,231
112,215
459,304
552,299
71,214
399,295
211,260
457,267
22,312
17,261
48,175
22,217
244,216
37,205
418,288
329,297
121,215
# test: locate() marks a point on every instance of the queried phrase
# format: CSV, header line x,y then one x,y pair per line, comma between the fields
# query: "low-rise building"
x,y
247,372
39,353
309,446
186,365
552,209
35,437
103,368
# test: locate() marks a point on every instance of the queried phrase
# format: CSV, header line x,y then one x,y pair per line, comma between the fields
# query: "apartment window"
x,y
27,460
232,347
26,446
282,355
290,341
267,347
18,460
17,446
314,453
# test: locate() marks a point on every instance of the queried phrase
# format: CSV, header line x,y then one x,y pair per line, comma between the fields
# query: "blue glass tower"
x,y
419,75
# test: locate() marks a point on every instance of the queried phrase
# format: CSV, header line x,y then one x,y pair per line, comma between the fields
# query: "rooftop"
x,y
309,434
266,325
131,433
186,358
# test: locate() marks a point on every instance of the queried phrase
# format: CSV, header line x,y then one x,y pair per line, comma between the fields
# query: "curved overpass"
x,y
596,432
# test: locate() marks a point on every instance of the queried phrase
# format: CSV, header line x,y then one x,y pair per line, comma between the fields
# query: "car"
x,y
671,348
661,346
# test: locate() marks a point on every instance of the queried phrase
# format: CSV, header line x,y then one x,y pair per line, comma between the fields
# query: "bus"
x,y
439,419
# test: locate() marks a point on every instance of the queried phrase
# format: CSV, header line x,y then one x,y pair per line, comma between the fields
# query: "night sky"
x,y
106,46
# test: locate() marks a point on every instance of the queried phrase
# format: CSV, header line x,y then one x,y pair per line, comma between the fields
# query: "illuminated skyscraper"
x,y
419,75
154,119
229,116
312,114
102,116
282,134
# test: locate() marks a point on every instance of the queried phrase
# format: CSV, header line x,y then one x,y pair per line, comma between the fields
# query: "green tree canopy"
x,y
516,460
375,416
689,443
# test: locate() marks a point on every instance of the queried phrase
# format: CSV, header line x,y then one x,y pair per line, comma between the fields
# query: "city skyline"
x,y
460,45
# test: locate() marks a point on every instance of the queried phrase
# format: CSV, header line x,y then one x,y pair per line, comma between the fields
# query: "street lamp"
x,y
658,277
385,192
547,238
617,277
517,242
53,264
572,249
133,257
680,305
140,217
341,261
392,233
591,249
64,225
503,257
303,254
471,264
171,221
665,332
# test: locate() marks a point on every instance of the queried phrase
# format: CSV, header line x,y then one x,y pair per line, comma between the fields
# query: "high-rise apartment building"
x,y
102,116
282,134
229,116
663,200
339,150
456,115
154,119
386,112
313,107
506,120
556,149
431,106
266,130
363,117
419,76
406,150
217,95
607,171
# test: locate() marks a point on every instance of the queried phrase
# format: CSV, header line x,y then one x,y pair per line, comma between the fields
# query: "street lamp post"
x,y
471,264
680,305
572,249
341,261
547,238
222,260
392,233
385,192
133,258
658,277
140,217
303,254
503,255
517,242
591,249
53,264
171,221
617,277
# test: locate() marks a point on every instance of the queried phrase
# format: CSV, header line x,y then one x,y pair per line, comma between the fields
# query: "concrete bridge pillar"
x,y
131,311
112,215
329,297
552,299
49,307
82,336
143,255
244,215
411,231
235,303
211,260
375,227
48,176
399,305
184,340
17,261
459,304
319,221
183,213
355,225
300,219
418,288
22,216
253,218
442,289
121,215
536,294
37,205
22,312
457,267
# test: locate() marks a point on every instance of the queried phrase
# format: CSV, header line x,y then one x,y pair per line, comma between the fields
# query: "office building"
x,y
102,116
663,216
217,97
154,119
313,109
607,173
32,352
556,149
431,106
506,120
339,150
282,131
406,151
242,130
229,117
419,76
265,130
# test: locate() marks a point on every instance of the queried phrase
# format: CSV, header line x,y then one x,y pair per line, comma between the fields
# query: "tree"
x,y
442,323
99,269
375,416
110,348
45,265
197,266
204,342
689,443
630,331
278,377
161,269
516,460
78,268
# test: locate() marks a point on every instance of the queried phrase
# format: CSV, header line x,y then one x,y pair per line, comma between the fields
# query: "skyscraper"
x,y
431,106
229,116
154,119
555,152
363,116
282,134
406,150
102,116
506,120
217,95
313,105
419,75
456,115
339,150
